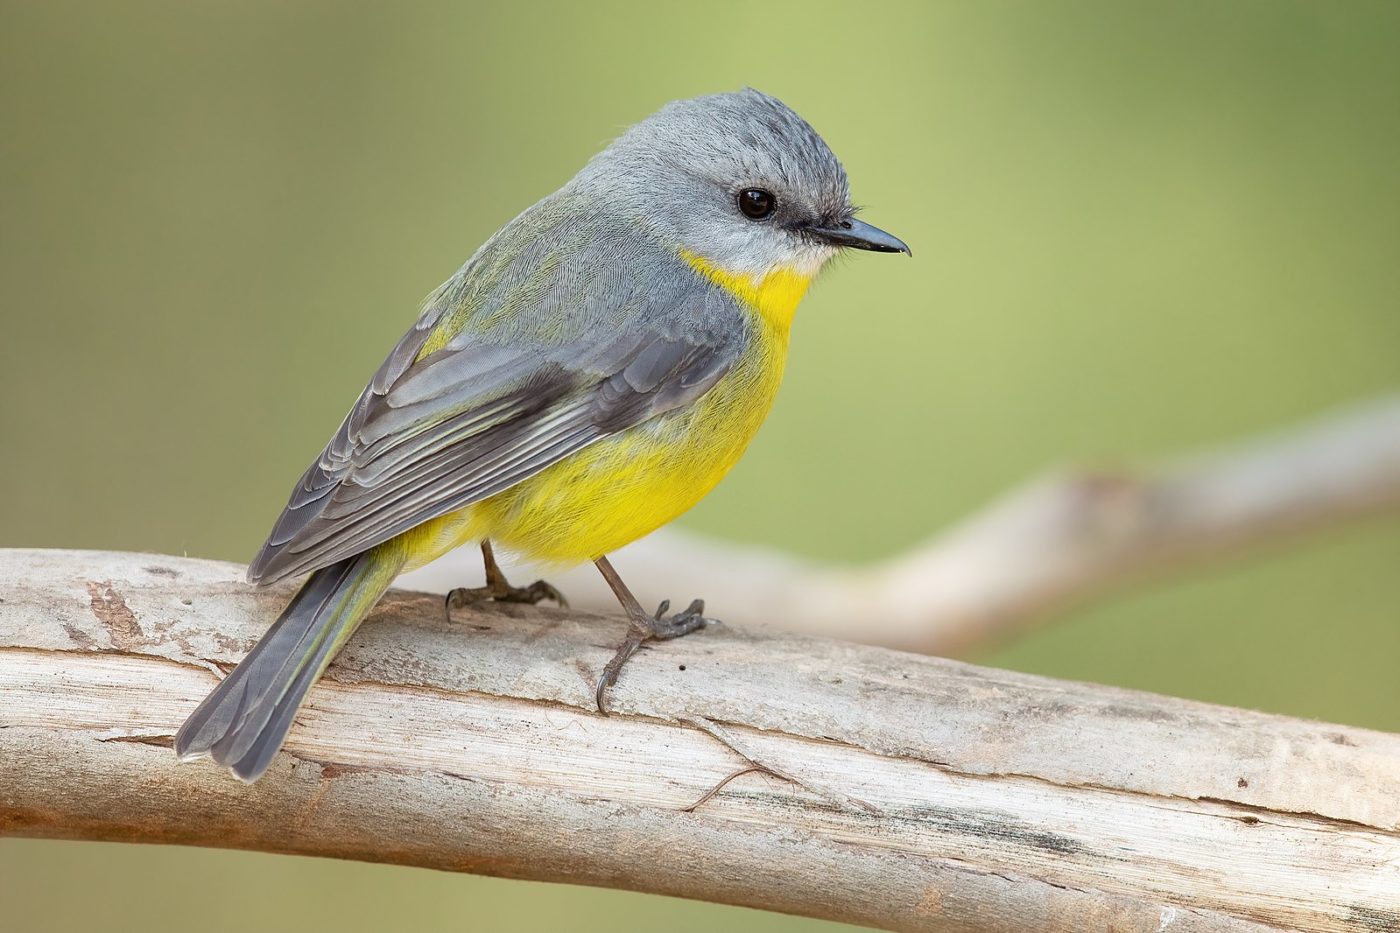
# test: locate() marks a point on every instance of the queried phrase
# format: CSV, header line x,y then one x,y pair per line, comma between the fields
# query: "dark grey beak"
x,y
857,234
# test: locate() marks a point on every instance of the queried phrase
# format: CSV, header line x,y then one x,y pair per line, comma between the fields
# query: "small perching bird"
x,y
590,374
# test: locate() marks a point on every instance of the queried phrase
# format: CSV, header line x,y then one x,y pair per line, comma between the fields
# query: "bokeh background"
x,y
1138,229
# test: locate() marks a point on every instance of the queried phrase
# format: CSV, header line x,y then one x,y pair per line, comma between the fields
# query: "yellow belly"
x,y
626,486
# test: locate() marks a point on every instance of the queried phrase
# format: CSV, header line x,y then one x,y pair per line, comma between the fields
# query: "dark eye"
x,y
756,203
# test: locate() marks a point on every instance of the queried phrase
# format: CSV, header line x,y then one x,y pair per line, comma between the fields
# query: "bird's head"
x,y
738,181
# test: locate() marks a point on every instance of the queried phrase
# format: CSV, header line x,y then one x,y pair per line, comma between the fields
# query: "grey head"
x,y
739,180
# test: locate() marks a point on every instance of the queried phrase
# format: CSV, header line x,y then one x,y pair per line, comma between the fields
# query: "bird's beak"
x,y
858,234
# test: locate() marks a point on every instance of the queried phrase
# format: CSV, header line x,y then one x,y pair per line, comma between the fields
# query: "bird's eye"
x,y
756,203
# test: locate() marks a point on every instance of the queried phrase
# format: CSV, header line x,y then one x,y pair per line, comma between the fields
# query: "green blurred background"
x,y
1138,229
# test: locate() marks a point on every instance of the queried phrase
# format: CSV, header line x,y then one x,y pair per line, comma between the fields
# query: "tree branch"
x,y
880,788
1056,542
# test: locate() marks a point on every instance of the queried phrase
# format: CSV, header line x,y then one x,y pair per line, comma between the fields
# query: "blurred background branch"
x,y
1055,542
804,776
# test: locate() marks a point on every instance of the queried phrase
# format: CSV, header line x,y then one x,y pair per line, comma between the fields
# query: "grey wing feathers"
x,y
431,435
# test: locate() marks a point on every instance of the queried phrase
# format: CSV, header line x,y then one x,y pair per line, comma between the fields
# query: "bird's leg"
x,y
498,588
643,627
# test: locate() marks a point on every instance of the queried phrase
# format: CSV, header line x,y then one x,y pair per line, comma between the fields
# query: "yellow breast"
x,y
775,296
617,490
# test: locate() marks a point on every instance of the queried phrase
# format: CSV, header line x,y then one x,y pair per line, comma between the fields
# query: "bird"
x,y
588,375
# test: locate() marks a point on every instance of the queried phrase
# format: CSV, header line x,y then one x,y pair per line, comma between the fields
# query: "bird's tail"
x,y
242,723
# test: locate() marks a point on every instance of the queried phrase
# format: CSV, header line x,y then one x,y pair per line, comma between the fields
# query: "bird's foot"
x,y
500,591
646,628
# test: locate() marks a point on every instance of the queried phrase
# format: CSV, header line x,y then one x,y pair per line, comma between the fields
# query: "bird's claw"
x,y
503,592
534,593
658,626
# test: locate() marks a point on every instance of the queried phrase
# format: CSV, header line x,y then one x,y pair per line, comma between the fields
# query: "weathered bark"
x,y
881,788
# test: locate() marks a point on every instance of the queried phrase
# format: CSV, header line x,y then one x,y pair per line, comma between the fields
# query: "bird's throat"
x,y
775,295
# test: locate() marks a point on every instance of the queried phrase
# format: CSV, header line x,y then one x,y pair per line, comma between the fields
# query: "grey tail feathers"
x,y
243,722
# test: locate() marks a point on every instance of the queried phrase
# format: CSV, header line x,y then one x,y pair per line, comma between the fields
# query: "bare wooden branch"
x,y
848,782
1058,541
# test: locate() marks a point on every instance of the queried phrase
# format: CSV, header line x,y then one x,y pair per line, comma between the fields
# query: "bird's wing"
x,y
474,400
